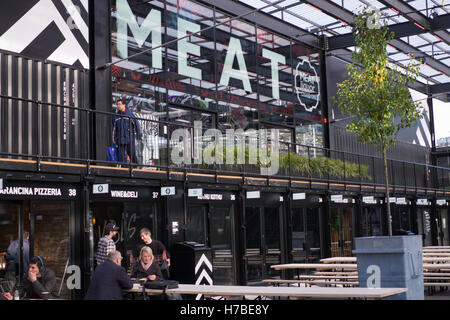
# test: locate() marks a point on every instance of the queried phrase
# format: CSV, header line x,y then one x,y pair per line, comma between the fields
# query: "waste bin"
x,y
191,263
391,262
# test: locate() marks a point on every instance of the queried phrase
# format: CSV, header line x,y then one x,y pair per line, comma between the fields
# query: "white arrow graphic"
x,y
203,275
203,259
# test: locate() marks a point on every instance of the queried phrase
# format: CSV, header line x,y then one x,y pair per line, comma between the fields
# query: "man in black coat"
x,y
109,280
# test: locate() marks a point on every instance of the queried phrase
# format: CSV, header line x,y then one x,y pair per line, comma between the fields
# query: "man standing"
x,y
109,280
106,243
125,130
159,251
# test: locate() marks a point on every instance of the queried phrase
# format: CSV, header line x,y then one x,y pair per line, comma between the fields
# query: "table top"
x,y
436,259
269,291
436,266
436,247
321,266
436,254
339,260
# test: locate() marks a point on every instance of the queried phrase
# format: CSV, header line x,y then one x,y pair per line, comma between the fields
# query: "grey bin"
x,y
391,262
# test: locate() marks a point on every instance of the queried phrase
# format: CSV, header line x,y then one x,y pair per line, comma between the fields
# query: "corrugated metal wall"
x,y
32,128
342,140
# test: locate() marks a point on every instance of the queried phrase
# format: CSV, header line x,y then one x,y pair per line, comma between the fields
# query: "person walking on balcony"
x,y
125,130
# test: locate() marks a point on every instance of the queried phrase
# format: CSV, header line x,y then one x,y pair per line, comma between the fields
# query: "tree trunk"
x,y
388,202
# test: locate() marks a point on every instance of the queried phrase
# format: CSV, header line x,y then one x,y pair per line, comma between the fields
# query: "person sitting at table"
x,y
40,281
109,279
146,268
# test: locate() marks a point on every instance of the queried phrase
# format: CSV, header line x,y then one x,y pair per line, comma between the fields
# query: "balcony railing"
x,y
65,134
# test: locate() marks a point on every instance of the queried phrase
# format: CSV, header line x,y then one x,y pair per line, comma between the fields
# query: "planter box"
x,y
391,262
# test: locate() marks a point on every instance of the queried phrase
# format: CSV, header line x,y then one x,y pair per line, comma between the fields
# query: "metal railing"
x,y
297,161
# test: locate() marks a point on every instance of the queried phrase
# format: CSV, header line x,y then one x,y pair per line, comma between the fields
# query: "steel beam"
x,y
400,30
440,88
408,12
264,20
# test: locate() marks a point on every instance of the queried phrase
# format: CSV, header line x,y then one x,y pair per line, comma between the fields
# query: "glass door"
x,y
370,222
341,228
196,224
263,241
401,220
44,228
306,234
271,240
50,240
136,215
221,243
444,226
424,226
211,225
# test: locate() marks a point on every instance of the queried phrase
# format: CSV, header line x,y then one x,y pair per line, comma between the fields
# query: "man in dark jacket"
x,y
109,280
125,130
40,282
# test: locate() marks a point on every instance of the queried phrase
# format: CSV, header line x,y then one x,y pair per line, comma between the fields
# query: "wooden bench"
x,y
436,274
318,282
336,273
330,277
436,284
436,278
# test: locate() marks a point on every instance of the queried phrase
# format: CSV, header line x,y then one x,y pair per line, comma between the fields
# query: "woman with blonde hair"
x,y
145,268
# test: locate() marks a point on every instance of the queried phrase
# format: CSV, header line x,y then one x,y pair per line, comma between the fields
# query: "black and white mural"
x,y
53,30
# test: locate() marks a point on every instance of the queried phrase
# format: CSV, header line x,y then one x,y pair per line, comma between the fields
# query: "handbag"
x,y
161,284
111,154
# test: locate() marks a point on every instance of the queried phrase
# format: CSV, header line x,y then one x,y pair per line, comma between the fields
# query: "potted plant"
x,y
378,98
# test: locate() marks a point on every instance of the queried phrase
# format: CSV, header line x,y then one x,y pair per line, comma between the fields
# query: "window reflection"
x,y
242,73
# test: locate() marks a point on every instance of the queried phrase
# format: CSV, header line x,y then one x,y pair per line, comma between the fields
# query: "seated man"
x,y
40,280
109,279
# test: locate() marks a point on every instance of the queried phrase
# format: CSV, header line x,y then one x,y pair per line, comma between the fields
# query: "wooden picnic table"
x,y
436,254
311,282
317,266
336,273
434,250
435,259
436,266
269,291
339,260
330,277
436,247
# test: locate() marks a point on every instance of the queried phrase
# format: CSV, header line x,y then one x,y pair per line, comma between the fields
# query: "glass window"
x,y
195,224
51,240
236,70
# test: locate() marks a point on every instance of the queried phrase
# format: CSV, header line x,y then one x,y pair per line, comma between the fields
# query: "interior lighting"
x,y
419,26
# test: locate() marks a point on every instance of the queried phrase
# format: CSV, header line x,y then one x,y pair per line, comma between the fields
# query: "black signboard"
x,y
16,190
108,192
214,195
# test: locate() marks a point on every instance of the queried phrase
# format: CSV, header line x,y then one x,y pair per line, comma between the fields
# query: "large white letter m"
x,y
151,24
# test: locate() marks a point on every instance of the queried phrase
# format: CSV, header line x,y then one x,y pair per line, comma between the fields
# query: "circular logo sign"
x,y
307,85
